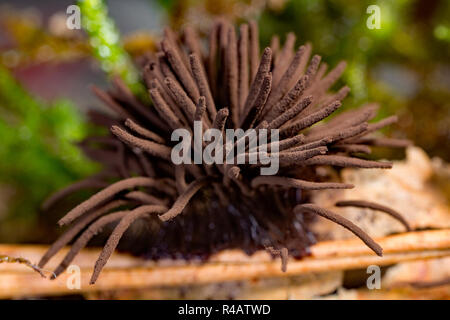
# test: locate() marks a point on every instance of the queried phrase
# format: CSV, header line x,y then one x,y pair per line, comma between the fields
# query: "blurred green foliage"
x,y
104,38
37,151
338,31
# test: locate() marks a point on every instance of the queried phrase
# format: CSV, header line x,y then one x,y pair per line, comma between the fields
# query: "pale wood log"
x,y
123,271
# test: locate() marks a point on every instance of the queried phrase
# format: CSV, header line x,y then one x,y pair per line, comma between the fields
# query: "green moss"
x,y
37,148
104,38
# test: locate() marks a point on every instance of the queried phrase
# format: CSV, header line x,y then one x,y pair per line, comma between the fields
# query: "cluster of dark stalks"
x,y
194,210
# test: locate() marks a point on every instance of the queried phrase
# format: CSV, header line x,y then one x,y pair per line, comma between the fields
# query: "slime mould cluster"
x,y
194,210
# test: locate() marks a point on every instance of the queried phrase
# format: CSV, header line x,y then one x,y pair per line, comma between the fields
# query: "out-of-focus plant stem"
x,y
104,38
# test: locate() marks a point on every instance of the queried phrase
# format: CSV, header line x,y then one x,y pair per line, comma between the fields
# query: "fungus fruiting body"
x,y
194,210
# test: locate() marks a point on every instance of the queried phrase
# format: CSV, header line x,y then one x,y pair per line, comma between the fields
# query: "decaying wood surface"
x,y
125,272
400,293
409,188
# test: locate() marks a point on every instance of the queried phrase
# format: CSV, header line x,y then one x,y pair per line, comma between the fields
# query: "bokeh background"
x,y
46,70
